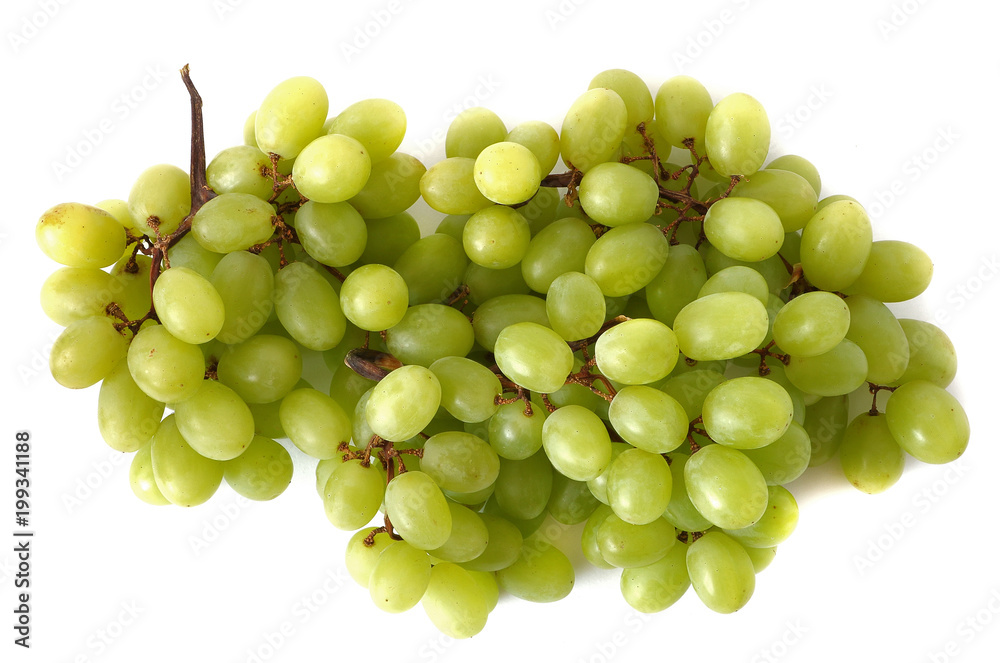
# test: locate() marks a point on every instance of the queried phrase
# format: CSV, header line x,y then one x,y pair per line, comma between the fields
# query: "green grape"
x,y
378,124
374,297
682,108
811,324
725,486
79,235
615,194
503,545
737,278
126,416
747,413
869,456
677,284
160,199
215,421
455,602
119,209
527,527
744,229
838,371
432,267
428,332
691,387
737,135
639,351
932,354
514,434
308,307
74,293
249,137
496,237
245,284
791,196
346,387
894,272
598,486
570,501
449,186
263,369
165,368
403,403
541,574
468,389
460,462
400,577
772,269
507,173
593,129
721,572
639,485
557,249
588,538
576,442
291,116
541,139
836,243
469,536
575,306
392,187
761,558
131,285
791,247
233,222
314,422
192,255
140,477
523,487
533,356
927,422
877,332
188,305
625,545
625,259
485,283
183,476
648,418
775,526
240,169
659,585
418,510
720,326
87,351
332,233
825,422
544,206
633,91
388,238
360,558
785,459
488,587
262,472
361,432
353,494
472,131
331,169
266,418
680,511
801,167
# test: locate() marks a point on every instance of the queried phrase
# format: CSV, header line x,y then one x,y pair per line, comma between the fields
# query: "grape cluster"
x,y
650,344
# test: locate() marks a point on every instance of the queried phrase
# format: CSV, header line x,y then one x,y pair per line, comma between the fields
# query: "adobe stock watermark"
x,y
709,32
119,109
271,641
967,630
479,92
781,645
34,22
912,170
899,15
212,528
923,502
559,13
963,294
103,638
90,484
223,8
788,123
365,34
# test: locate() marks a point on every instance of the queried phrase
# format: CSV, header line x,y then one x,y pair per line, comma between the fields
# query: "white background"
x,y
894,101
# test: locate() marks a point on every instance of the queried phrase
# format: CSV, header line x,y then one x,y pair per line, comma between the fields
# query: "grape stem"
x,y
763,369
873,389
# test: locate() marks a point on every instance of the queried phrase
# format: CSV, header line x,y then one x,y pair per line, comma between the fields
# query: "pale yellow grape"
x,y
184,476
374,297
126,416
575,306
418,510
738,278
507,173
615,194
188,305
79,235
932,354
533,356
648,418
682,108
240,169
245,284
291,115
314,422
639,351
471,131
744,229
496,237
215,421
541,574
775,526
838,371
262,369
468,539
503,545
555,250
498,313
869,456
658,586
429,332
747,412
403,403
625,545
86,352
189,253
639,486
119,209
721,572
378,124
262,472
677,284
73,293
353,493
359,558
720,326
593,129
633,91
625,259
541,139
576,442
894,272
140,476
455,602
460,462
392,187
449,186
725,486
928,422
790,196
737,135
836,243
801,167
233,222
876,331
308,307
400,577
164,367
160,199
811,324
331,169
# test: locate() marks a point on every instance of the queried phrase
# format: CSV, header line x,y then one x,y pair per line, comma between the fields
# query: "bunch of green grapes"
x,y
649,344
